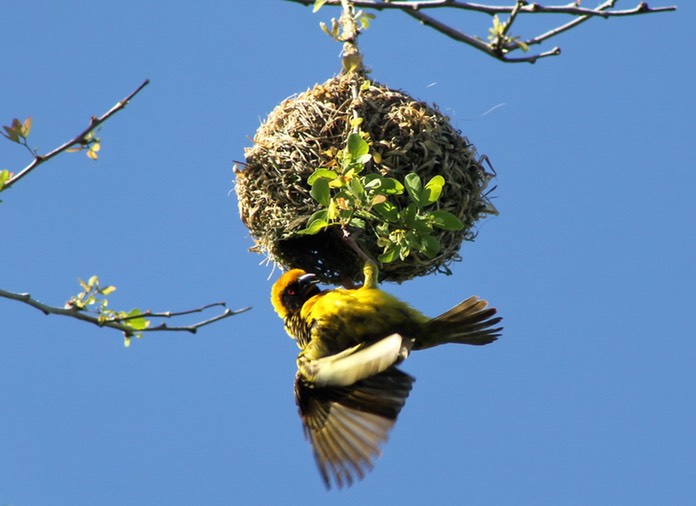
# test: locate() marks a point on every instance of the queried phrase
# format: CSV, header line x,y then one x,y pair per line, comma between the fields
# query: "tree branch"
x,y
79,139
122,323
571,8
501,47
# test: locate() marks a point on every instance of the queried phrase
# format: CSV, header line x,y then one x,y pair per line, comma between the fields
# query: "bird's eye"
x,y
291,291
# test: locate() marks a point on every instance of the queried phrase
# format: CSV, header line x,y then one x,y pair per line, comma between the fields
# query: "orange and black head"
x,y
292,290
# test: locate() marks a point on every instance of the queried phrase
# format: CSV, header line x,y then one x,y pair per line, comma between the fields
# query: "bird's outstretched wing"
x,y
347,425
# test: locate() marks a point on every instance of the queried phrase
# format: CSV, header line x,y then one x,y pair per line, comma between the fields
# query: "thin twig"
x,y
171,314
79,139
118,323
194,328
570,24
513,16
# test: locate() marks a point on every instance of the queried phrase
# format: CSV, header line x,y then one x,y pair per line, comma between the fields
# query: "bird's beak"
x,y
309,278
308,282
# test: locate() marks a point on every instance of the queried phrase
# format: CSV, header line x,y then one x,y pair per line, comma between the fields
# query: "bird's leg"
x,y
370,270
371,273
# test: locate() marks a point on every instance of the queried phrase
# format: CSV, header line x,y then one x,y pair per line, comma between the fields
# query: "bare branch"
x,y
122,323
194,328
502,46
170,314
79,139
600,9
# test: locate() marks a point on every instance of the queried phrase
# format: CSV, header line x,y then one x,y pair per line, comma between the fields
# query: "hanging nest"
x,y
410,136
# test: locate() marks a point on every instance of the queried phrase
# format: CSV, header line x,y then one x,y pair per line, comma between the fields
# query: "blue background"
x,y
587,399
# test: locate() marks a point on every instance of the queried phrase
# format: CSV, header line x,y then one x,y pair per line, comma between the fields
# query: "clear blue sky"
x,y
587,399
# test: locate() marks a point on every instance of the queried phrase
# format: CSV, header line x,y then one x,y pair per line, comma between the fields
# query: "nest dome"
x,y
300,136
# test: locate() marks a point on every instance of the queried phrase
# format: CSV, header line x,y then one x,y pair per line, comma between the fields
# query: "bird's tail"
x,y
469,322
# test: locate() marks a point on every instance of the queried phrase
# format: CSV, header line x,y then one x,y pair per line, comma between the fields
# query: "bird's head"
x,y
292,290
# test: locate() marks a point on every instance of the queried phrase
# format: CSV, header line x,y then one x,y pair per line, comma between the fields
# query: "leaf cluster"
x,y
361,17
346,29
18,131
93,299
89,142
353,199
500,40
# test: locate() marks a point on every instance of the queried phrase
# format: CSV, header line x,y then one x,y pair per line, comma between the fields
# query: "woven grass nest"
x,y
410,136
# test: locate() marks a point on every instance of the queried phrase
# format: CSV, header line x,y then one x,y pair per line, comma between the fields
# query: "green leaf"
x,y
357,146
372,181
331,213
433,189
320,191
412,239
318,4
365,19
357,223
319,215
389,255
314,227
408,215
316,222
414,188
446,220
324,28
108,290
356,188
391,186
137,323
497,30
523,45
421,224
4,177
363,159
388,211
12,134
430,246
383,185
327,173
26,127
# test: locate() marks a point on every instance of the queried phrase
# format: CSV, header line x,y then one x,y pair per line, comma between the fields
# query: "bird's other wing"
x,y
346,426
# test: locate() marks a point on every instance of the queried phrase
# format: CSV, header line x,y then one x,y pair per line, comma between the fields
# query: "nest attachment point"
x,y
299,136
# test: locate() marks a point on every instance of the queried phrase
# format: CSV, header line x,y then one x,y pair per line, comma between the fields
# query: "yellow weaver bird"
x,y
347,388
